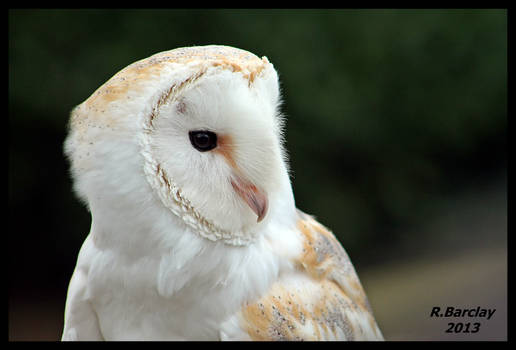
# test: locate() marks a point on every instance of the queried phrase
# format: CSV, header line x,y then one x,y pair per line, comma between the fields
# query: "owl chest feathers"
x,y
184,289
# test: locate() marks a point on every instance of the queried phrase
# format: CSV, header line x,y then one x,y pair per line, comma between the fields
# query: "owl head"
x,y
194,130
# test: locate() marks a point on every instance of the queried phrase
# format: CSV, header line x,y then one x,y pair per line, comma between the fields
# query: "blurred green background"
x,y
396,131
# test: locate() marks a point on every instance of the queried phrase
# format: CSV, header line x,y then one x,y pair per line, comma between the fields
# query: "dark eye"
x,y
203,140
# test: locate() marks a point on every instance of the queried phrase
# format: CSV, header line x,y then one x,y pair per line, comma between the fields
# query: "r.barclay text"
x,y
457,312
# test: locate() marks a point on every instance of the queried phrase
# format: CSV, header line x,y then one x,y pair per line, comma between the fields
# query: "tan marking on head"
x,y
134,78
131,77
256,199
226,148
253,74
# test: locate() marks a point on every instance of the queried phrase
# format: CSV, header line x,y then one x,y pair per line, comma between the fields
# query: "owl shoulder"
x,y
321,300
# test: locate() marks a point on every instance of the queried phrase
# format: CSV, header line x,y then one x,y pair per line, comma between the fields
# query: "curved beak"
x,y
255,198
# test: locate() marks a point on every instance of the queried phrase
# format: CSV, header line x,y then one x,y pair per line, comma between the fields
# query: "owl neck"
x,y
142,225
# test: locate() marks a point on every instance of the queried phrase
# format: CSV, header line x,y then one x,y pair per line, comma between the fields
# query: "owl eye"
x,y
203,140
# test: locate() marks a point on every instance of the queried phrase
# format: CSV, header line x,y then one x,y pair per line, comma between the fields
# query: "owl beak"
x,y
255,199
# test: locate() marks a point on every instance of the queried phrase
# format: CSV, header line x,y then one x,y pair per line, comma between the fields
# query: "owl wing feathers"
x,y
323,300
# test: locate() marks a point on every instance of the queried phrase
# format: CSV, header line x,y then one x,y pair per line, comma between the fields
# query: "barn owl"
x,y
195,234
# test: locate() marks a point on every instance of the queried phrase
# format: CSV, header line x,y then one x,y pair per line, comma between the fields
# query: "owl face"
x,y
206,126
218,142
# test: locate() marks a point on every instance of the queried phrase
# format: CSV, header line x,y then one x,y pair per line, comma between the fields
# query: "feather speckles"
x,y
327,303
299,316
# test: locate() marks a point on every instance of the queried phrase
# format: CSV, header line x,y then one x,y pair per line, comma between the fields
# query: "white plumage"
x,y
195,233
